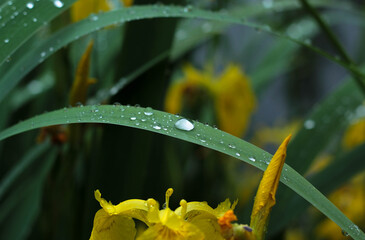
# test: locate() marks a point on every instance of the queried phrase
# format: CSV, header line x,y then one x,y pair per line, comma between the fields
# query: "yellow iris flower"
x,y
83,8
192,220
233,97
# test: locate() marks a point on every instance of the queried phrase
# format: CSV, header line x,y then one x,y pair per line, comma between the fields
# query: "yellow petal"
x,y
187,231
134,208
113,227
265,197
354,135
83,8
234,101
82,81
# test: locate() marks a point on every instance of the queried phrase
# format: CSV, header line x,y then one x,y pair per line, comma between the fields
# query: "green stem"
x,y
335,43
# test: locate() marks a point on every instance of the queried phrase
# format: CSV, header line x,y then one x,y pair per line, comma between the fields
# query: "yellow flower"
x,y
114,222
265,197
83,8
233,97
169,225
82,81
354,135
350,199
274,135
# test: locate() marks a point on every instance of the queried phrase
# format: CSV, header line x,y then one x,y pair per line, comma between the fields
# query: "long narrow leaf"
x,y
23,19
20,68
164,123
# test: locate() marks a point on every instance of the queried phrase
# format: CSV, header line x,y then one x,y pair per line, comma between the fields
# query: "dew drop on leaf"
x,y
58,3
184,125
30,5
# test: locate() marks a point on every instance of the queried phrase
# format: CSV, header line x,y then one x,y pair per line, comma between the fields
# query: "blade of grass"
x,y
342,169
333,40
24,163
23,204
325,121
23,19
164,123
20,68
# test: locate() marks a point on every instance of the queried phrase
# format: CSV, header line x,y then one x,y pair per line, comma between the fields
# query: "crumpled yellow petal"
x,y
113,227
82,81
265,197
83,8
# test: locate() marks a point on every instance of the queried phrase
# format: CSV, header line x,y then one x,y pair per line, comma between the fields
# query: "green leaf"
x,y
21,20
20,67
164,123
342,169
20,208
326,120
27,160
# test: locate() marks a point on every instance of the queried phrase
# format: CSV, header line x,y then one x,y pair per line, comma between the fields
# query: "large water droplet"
x,y
148,113
133,118
309,124
184,125
58,3
30,5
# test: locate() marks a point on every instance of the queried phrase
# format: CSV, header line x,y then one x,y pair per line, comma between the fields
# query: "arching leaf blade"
x,y
164,123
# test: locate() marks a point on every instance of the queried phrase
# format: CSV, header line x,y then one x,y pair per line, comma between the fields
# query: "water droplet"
x,y
252,159
43,54
94,17
157,127
237,154
148,113
344,233
133,118
34,19
184,125
267,3
231,146
58,3
309,124
30,5
6,40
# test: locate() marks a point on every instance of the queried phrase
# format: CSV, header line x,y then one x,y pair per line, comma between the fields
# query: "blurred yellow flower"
x,y
233,97
83,8
350,198
127,3
354,135
82,80
274,135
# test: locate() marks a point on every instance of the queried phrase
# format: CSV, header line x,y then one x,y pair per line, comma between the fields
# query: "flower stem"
x,y
335,43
